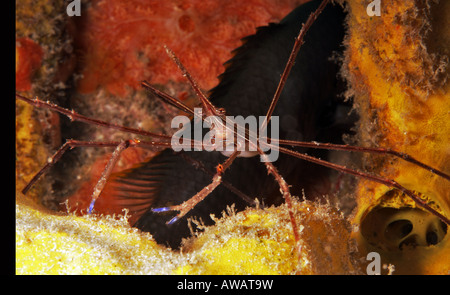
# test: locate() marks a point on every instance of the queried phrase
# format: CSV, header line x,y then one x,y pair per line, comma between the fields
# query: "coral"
x,y
41,64
45,23
31,155
28,60
397,66
123,41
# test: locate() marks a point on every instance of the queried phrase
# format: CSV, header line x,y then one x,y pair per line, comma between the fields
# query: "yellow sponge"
x,y
259,241
254,241
54,244
397,68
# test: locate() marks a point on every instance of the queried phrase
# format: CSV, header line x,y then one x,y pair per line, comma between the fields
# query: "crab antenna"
x,y
167,98
209,108
298,43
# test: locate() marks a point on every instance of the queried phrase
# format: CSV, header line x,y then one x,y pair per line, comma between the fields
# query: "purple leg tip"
x,y
91,207
173,220
162,209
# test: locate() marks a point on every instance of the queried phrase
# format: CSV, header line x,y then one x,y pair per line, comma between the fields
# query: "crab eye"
x,y
219,168
221,111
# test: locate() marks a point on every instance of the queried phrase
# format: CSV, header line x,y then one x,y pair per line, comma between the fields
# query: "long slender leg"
x,y
72,115
373,150
57,155
80,118
284,187
199,165
123,145
382,180
187,206
69,144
